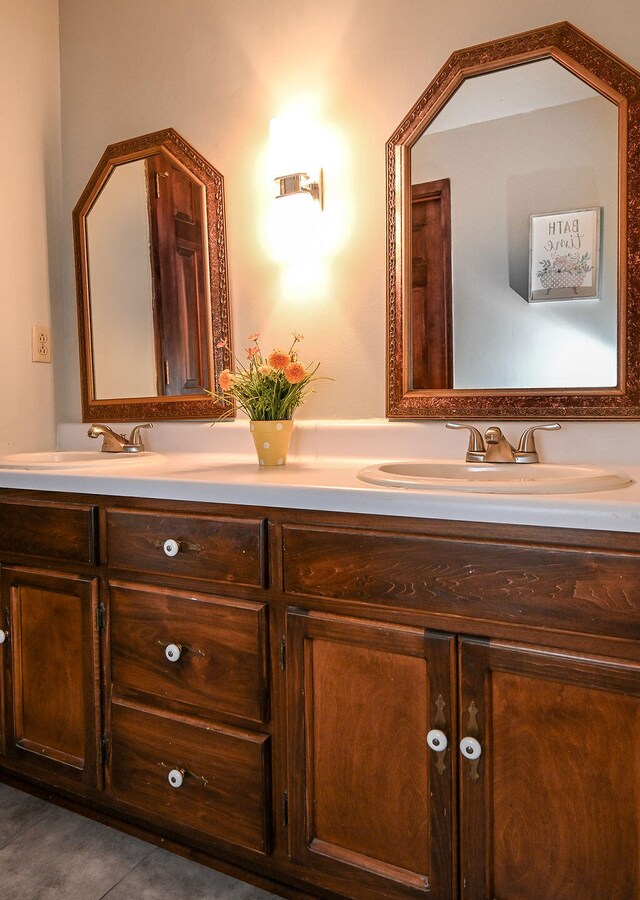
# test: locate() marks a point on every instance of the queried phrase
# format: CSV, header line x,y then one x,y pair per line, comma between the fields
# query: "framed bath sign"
x,y
564,255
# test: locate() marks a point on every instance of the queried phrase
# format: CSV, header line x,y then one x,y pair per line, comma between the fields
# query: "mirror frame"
x,y
619,83
170,407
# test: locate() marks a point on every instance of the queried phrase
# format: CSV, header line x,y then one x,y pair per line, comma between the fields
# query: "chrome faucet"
x,y
498,449
118,443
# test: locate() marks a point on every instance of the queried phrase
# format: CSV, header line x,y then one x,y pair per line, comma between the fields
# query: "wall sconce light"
x,y
300,183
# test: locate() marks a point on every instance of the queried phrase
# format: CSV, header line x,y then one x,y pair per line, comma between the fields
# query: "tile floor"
x,y
48,853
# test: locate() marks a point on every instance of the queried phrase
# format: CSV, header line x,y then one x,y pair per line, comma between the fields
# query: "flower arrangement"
x,y
268,389
576,264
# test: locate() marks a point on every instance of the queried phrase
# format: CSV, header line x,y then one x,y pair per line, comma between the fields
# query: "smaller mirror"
x,y
152,288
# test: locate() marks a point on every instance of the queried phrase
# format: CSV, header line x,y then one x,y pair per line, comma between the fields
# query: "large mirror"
x,y
152,282
512,229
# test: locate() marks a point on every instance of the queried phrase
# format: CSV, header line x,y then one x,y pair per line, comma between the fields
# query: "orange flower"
x,y
295,372
252,351
224,379
279,360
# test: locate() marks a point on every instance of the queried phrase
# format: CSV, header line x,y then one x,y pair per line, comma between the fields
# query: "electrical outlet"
x,y
41,343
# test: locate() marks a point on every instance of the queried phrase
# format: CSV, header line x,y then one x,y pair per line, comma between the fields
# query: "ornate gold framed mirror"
x,y
151,274
513,235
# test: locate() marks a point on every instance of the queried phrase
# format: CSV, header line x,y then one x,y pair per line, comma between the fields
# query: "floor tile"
x,y
164,875
67,857
20,812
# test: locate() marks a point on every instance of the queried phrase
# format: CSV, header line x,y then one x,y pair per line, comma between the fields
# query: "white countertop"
x,y
329,484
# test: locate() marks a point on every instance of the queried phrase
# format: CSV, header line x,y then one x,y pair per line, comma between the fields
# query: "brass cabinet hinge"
x,y
101,617
283,652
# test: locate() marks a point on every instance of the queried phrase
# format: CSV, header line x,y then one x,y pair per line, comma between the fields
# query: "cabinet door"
x,y
551,808
51,673
370,805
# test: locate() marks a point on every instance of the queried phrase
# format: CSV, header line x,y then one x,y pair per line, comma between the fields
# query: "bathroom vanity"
x,y
329,704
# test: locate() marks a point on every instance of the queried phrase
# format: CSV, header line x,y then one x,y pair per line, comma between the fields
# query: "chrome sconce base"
x,y
300,183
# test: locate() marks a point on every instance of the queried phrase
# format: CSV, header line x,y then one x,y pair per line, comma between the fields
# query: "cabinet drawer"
x,y
211,548
541,586
225,790
222,647
50,530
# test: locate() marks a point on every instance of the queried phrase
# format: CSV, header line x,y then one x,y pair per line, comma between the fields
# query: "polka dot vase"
x,y
272,441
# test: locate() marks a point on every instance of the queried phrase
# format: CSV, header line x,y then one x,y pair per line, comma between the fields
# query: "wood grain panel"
x,y
223,663
213,548
570,589
367,801
556,809
51,530
51,669
225,794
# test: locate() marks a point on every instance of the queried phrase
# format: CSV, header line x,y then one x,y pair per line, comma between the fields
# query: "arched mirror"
x,y
151,275
514,235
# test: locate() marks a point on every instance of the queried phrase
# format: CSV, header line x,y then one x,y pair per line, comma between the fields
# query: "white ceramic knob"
x,y
437,739
173,652
176,777
3,636
171,547
470,748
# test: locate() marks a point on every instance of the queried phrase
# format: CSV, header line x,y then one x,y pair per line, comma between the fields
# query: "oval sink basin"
x,y
501,478
68,459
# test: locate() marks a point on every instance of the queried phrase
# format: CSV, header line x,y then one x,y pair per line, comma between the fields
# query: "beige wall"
x,y
218,72
30,219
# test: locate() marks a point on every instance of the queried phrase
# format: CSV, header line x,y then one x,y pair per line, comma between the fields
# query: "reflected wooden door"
x,y
431,309
51,673
371,812
181,307
552,806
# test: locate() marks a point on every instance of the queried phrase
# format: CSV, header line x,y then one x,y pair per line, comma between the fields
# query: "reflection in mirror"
x,y
151,270
529,140
122,327
513,222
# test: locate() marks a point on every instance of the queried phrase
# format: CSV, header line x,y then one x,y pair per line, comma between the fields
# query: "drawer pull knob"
x,y
470,748
171,547
437,740
4,636
173,652
176,777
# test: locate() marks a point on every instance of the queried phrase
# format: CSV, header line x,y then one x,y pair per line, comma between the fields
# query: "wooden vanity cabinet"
x,y
188,710
538,791
370,806
333,705
50,659
552,806
51,675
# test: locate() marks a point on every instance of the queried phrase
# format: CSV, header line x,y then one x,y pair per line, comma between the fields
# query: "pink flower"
x,y
252,351
295,372
254,336
221,344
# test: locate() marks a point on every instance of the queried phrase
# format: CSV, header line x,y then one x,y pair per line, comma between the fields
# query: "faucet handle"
x,y
134,437
527,444
476,449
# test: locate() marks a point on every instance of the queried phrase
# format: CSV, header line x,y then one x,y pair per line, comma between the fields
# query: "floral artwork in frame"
x,y
564,255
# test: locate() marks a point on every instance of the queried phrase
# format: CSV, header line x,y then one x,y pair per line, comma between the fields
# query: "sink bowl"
x,y
68,459
501,478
